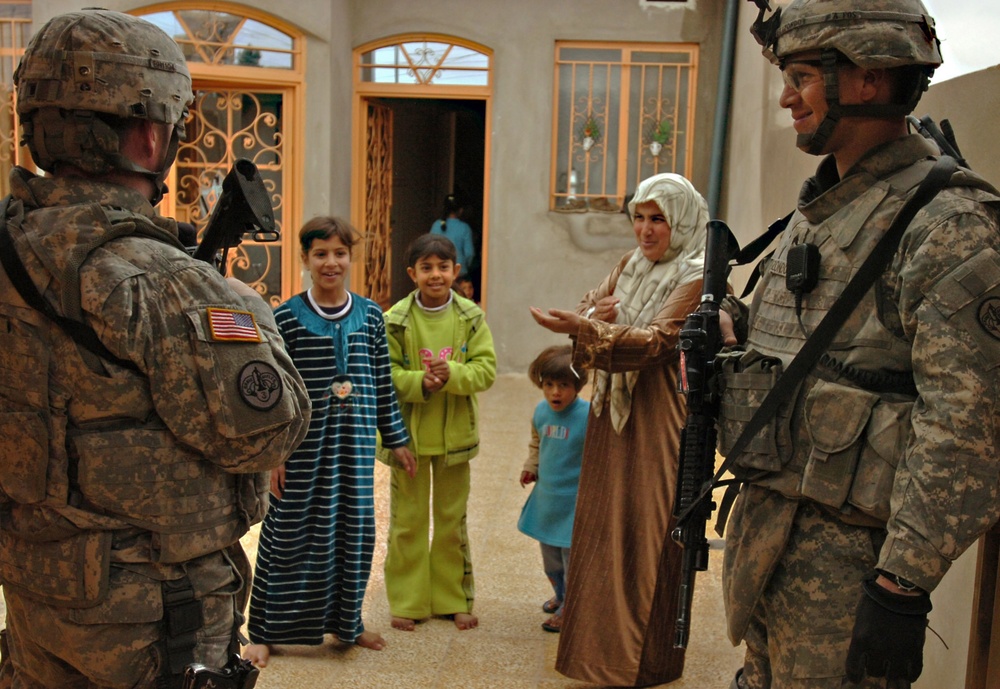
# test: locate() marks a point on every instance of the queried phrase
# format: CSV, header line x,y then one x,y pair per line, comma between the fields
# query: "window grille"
x,y
622,113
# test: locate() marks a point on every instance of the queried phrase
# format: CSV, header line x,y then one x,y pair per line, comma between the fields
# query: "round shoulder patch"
x,y
260,385
989,316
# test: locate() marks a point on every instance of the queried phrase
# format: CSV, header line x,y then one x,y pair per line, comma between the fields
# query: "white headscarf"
x,y
644,286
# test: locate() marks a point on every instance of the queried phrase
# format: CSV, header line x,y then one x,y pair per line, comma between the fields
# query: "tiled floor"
x,y
509,649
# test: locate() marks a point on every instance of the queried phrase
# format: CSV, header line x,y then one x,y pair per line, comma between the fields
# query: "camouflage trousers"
x,y
801,627
119,643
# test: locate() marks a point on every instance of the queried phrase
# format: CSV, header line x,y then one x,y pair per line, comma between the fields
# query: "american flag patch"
x,y
228,325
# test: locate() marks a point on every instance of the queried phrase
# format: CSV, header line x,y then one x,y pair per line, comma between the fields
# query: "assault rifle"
x,y
243,208
700,342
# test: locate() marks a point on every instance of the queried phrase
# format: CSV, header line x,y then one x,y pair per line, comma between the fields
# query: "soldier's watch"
x,y
903,584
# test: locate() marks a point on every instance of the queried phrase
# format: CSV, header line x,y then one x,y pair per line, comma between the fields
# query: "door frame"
x,y
365,90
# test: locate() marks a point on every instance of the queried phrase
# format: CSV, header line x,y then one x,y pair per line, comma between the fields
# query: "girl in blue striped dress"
x,y
317,539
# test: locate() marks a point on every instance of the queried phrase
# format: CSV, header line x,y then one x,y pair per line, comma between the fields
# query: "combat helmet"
x,y
872,34
81,65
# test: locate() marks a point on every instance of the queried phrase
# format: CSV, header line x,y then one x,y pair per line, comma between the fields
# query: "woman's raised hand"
x,y
557,320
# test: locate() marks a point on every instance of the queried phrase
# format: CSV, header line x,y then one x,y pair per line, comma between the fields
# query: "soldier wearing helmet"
x,y
143,397
882,468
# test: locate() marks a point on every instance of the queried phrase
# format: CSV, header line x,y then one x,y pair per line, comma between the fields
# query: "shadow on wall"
x,y
596,232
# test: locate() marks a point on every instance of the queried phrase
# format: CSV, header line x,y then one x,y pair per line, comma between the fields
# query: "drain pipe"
x,y
722,107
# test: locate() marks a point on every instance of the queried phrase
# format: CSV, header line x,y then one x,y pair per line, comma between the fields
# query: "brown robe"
x,y
621,600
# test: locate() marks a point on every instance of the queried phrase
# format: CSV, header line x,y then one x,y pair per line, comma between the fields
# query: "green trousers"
x,y
425,576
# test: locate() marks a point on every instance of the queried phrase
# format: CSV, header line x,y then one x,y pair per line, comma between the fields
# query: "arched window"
x,y
423,62
215,37
247,72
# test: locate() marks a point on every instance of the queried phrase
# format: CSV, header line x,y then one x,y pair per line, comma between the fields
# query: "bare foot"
x,y
258,654
372,640
404,624
464,620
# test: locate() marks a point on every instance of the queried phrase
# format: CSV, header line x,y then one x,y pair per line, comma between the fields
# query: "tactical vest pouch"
x,y
24,435
71,573
24,456
835,419
856,442
747,377
885,444
144,477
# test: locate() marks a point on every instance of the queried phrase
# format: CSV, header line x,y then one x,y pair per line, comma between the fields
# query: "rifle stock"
x,y
243,208
700,342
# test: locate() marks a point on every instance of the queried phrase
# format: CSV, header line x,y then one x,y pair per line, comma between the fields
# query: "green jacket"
x,y
473,369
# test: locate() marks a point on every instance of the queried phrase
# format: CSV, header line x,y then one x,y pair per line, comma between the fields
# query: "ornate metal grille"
x,y
378,204
225,125
623,113
424,62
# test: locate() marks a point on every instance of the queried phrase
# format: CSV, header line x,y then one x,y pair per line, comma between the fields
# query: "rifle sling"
x,y
874,265
81,333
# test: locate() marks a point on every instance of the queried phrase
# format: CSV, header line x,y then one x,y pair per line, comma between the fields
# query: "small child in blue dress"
x,y
555,453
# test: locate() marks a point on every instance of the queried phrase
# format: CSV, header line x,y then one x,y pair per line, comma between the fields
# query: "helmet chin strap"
x,y
815,143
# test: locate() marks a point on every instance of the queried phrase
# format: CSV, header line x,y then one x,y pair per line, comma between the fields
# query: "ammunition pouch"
x,y
745,380
857,440
70,573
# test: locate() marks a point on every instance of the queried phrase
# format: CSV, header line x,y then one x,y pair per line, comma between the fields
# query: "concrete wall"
x,y
537,257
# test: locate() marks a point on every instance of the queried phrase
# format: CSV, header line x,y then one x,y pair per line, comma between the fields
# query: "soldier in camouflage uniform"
x,y
143,406
882,469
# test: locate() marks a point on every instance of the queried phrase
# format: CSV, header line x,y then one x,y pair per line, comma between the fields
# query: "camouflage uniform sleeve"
x,y
218,373
946,489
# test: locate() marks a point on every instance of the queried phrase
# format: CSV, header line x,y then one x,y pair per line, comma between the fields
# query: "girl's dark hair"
x,y
430,245
556,363
325,227
452,204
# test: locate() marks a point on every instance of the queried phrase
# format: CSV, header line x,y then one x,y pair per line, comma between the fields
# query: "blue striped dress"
x,y
316,543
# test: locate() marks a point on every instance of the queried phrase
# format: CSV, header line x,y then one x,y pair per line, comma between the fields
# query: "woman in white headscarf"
x,y
621,600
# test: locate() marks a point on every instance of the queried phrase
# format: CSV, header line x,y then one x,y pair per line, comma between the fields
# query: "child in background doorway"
x,y
316,542
555,454
464,286
442,355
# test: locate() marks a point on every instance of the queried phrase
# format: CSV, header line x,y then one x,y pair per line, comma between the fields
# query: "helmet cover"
x,y
97,61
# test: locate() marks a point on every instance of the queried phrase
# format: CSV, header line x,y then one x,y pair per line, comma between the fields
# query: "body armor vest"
x,y
839,439
85,455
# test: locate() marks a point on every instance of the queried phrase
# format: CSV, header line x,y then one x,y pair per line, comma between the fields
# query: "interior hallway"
x,y
509,649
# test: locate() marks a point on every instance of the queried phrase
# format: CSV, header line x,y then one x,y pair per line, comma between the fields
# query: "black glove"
x,y
889,630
